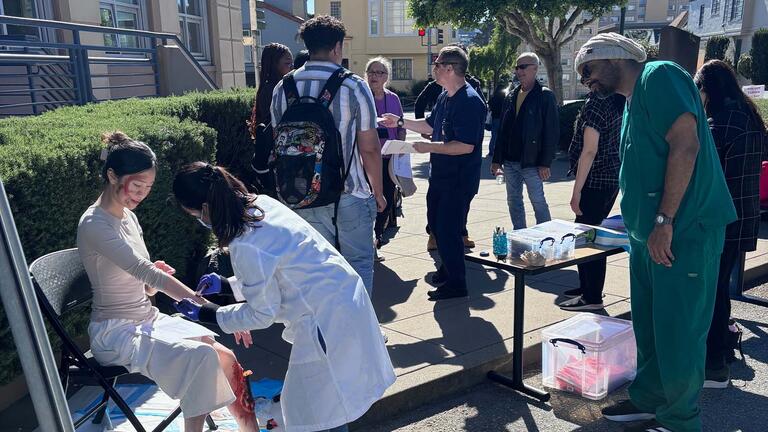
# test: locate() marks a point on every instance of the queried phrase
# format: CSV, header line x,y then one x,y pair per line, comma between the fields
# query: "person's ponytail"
x,y
229,203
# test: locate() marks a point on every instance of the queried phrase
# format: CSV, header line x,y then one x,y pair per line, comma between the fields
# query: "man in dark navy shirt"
x,y
456,127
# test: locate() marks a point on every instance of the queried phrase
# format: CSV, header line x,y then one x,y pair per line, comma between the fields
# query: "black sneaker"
x,y
445,294
439,277
579,304
649,426
576,292
625,411
717,378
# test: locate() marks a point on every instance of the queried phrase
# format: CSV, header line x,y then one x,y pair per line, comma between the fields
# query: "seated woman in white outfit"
x,y
288,273
201,373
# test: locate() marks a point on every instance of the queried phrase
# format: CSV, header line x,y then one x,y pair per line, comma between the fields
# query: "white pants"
x,y
187,370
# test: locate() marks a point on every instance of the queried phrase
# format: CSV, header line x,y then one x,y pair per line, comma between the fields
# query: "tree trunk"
x,y
551,60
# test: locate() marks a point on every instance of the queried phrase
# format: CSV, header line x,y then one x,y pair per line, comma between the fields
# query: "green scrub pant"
x,y
671,314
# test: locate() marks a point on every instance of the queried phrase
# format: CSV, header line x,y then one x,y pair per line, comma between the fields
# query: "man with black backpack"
x,y
327,159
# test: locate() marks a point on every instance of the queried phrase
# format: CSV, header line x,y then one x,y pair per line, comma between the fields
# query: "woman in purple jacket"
x,y
377,72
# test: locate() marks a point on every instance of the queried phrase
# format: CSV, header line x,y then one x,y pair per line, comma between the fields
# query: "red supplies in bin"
x,y
588,354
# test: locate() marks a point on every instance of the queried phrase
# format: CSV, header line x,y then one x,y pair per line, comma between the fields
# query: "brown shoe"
x,y
468,242
431,243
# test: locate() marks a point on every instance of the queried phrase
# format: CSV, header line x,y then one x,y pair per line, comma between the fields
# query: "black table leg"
x,y
516,382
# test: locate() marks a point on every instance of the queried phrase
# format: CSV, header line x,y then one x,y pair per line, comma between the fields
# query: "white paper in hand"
x,y
397,147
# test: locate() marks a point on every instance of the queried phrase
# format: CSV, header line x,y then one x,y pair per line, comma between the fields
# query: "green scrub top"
x,y
663,92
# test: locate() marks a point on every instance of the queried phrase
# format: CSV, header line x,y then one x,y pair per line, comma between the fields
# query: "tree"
x,y
759,54
494,60
716,48
546,25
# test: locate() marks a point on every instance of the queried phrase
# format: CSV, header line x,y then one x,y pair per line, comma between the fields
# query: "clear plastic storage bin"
x,y
588,354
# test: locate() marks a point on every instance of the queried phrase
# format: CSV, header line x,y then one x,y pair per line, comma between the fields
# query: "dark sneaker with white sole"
x,y
576,292
717,378
579,304
649,426
626,411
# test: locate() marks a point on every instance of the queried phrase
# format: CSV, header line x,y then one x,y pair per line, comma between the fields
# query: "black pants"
x,y
595,206
446,213
717,339
464,231
389,194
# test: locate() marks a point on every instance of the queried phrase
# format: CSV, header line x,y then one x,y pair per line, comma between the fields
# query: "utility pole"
x,y
621,20
429,52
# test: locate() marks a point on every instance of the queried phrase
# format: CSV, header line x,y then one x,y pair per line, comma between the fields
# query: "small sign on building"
x,y
754,91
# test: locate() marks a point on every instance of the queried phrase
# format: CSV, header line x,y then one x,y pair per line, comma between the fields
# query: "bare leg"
x,y
242,407
194,424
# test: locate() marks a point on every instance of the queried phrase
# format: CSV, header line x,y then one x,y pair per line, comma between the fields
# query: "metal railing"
x,y
74,69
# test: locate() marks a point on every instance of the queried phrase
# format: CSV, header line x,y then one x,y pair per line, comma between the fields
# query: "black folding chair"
x,y
62,286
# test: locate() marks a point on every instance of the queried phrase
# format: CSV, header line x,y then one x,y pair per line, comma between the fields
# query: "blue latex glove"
x,y
209,284
188,308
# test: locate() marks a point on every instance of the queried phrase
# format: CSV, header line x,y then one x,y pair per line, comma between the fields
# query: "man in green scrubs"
x,y
675,205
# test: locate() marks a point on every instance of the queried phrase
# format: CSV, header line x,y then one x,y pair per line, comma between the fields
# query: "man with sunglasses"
x,y
675,205
456,126
530,130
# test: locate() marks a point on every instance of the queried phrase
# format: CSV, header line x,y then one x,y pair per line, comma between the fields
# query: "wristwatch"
x,y
400,122
662,219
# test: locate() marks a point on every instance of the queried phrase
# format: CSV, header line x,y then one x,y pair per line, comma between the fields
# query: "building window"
x,y
631,7
736,9
564,62
124,14
373,20
396,19
701,15
641,17
684,7
336,9
614,19
630,18
567,77
402,69
193,25
715,7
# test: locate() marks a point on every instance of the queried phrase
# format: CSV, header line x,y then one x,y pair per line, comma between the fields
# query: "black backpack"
x,y
308,158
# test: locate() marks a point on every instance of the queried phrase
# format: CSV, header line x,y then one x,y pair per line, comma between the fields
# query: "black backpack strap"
x,y
332,86
290,89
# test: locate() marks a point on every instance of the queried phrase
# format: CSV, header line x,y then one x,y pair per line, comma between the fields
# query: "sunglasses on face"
x,y
377,73
523,66
586,71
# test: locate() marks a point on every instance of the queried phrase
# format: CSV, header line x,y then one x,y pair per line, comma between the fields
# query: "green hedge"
x,y
50,167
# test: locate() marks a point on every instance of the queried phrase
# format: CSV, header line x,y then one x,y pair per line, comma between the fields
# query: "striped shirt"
x,y
353,108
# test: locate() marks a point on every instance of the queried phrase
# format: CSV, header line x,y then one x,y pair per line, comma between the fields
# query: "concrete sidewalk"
x,y
445,347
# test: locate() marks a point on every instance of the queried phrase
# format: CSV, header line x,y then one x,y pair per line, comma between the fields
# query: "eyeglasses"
x,y
586,71
523,66
377,73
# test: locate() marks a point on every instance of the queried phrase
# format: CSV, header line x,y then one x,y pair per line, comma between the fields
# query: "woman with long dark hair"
x,y
276,61
739,133
201,372
286,272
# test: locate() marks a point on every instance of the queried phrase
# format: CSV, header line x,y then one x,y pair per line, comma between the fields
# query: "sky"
x,y
311,6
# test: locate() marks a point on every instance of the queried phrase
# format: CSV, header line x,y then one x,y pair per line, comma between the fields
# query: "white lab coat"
x,y
288,273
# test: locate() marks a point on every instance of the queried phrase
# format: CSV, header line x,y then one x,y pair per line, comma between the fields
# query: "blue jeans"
x,y
515,176
355,221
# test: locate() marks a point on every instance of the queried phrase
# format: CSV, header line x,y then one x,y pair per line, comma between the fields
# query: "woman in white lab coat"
x,y
288,273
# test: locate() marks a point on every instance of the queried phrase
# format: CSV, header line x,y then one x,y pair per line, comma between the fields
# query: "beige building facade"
x,y
210,29
383,28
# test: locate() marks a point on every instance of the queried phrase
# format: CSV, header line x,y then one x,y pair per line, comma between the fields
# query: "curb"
x,y
406,395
